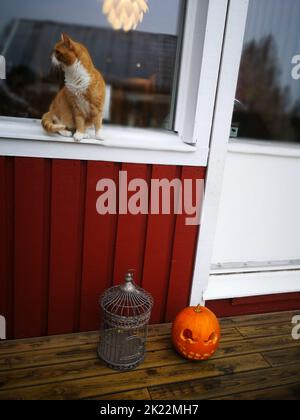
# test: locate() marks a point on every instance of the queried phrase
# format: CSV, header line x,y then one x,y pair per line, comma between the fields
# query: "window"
x,y
161,93
140,67
267,105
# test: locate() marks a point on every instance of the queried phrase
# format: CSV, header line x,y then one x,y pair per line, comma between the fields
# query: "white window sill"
x,y
26,138
266,148
229,286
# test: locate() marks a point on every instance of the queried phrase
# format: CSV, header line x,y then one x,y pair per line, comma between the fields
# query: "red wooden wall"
x,y
57,254
255,304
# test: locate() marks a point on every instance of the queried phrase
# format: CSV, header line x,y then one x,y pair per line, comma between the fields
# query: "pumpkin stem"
x,y
198,309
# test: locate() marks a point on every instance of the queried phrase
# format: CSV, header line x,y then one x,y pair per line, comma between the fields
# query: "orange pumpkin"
x,y
196,333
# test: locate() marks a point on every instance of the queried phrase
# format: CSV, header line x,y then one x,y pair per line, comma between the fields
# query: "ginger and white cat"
x,y
80,103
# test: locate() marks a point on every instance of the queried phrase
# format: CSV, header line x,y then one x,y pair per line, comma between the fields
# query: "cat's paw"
x,y
78,136
98,135
65,133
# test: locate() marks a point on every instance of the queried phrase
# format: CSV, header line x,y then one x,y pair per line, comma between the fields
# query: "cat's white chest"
x,y
77,80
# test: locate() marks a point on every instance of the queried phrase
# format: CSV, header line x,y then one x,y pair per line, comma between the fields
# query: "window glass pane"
x,y
140,67
267,105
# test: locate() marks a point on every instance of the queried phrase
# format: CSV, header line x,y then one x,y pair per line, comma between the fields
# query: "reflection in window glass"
x,y
140,67
267,105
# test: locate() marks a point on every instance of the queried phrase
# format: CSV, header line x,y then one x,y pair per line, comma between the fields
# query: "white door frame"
x,y
224,283
229,70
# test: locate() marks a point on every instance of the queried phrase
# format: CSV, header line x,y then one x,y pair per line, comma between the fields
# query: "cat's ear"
x,y
67,40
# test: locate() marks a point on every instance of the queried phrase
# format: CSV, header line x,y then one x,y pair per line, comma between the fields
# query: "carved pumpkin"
x,y
196,333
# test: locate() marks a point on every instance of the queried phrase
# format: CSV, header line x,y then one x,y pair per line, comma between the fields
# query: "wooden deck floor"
x,y
257,359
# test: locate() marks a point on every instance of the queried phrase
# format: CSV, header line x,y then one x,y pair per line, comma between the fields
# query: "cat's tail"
x,y
49,125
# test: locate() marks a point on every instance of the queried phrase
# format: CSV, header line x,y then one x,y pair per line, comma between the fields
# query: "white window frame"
x,y
188,145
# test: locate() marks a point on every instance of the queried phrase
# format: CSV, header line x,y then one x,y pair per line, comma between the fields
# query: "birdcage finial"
x,y
129,284
129,277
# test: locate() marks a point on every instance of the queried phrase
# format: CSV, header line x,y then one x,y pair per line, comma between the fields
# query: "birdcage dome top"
x,y
127,300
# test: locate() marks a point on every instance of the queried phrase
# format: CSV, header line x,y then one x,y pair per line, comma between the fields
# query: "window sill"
x,y
26,138
266,148
229,286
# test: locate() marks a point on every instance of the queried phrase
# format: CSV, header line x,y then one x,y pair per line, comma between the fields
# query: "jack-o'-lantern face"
x,y
196,333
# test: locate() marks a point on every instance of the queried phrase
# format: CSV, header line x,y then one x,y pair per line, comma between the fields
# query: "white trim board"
x,y
228,286
254,267
26,138
94,152
229,70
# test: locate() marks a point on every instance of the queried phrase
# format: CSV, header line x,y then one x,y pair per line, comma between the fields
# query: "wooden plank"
x,y
253,345
78,369
160,353
265,330
158,253
61,364
87,352
67,354
283,393
159,329
283,357
184,247
66,246
47,357
135,395
227,385
73,362
47,343
32,188
37,376
230,334
98,247
105,385
272,318
131,234
75,340
7,242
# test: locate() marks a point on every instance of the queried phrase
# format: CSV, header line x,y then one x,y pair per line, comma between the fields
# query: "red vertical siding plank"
x,y
30,251
131,233
98,249
6,242
160,235
184,247
67,192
